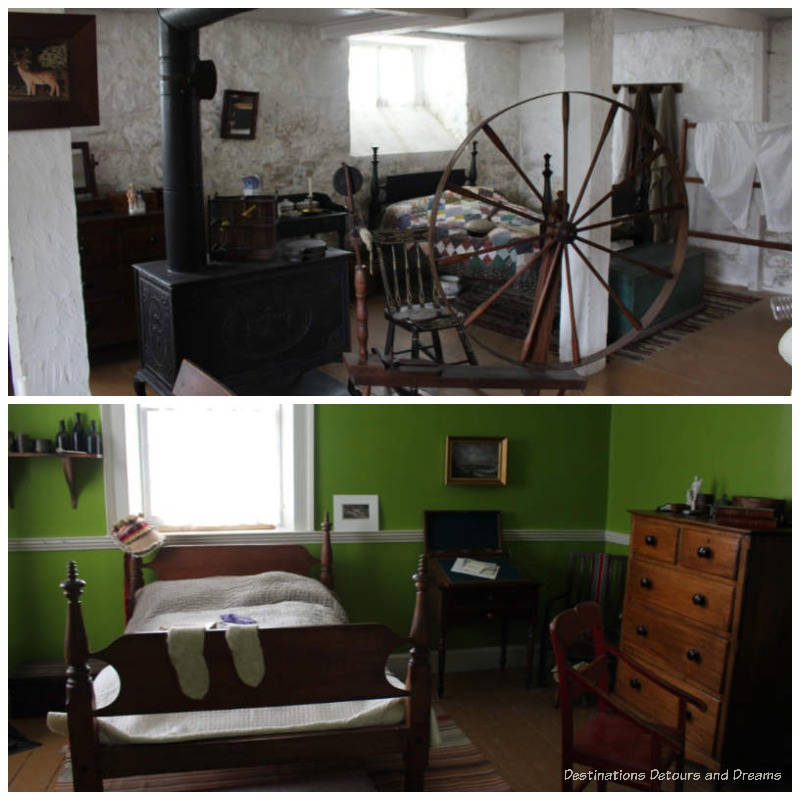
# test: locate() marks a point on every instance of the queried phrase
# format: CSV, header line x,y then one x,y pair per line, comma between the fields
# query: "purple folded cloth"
x,y
235,619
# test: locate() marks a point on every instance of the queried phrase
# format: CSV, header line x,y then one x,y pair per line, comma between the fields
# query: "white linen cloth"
x,y
729,155
164,604
620,136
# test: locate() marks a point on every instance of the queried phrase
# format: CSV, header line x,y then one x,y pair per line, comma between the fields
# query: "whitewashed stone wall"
x,y
303,123
719,68
46,327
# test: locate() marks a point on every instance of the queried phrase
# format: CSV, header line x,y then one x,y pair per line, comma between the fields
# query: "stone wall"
x,y
303,121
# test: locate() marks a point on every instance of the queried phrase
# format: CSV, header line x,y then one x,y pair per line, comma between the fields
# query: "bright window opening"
x,y
406,95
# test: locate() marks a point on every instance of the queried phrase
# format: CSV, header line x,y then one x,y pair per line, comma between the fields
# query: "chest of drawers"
x,y
708,608
108,245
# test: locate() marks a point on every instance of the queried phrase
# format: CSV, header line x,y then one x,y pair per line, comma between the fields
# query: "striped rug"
x,y
511,316
456,765
717,304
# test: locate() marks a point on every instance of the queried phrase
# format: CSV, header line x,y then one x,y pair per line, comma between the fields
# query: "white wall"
x,y
46,327
303,117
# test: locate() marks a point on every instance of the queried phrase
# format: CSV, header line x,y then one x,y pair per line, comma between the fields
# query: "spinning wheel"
x,y
567,224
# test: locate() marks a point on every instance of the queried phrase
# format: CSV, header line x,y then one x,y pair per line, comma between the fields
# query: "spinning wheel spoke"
x,y
634,215
576,353
565,143
632,174
567,222
620,254
612,112
510,245
541,297
452,187
611,293
495,140
486,303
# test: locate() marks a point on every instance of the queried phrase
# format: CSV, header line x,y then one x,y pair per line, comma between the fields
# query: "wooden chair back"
x,y
191,380
405,269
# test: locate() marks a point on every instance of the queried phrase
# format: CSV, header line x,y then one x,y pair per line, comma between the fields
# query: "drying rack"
x,y
721,237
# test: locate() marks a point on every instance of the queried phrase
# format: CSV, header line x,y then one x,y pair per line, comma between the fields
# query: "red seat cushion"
x,y
617,740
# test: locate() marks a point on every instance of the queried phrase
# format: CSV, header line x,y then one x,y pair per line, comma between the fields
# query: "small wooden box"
x,y
242,228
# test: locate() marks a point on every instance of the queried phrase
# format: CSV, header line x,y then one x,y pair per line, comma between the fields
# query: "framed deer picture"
x,y
52,71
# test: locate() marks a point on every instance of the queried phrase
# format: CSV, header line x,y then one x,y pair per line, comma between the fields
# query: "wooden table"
x,y
330,217
465,599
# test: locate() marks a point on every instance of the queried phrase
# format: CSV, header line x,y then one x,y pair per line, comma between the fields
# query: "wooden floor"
x,y
517,729
735,356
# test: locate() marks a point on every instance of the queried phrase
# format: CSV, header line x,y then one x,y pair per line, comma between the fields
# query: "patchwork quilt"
x,y
452,238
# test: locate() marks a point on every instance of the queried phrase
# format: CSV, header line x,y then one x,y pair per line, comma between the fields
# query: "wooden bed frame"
x,y
394,188
314,664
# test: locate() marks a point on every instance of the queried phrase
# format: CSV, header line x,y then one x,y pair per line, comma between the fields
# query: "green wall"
x,y
656,450
571,467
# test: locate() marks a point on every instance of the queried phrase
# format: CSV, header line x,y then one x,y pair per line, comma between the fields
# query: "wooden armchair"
x,y
615,739
590,576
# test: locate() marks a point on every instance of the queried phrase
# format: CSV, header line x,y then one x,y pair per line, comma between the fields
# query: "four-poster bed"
x,y
308,671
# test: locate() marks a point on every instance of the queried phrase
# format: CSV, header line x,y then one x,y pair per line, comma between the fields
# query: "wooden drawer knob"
x,y
699,599
636,683
693,655
651,540
646,583
641,630
704,552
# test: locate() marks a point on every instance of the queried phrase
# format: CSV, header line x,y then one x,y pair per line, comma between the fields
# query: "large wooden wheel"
x,y
564,243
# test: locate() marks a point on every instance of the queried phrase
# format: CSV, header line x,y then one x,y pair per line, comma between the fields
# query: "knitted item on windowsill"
x,y
136,536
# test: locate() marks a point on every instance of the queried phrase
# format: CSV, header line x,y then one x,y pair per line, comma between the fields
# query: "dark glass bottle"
x,y
94,441
63,441
78,435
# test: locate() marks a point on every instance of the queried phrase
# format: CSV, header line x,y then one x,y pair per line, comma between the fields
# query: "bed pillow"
x,y
230,591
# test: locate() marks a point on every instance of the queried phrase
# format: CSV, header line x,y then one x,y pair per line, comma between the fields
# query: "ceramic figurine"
x,y
692,492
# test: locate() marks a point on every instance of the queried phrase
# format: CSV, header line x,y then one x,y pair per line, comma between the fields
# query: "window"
x,y
241,467
406,95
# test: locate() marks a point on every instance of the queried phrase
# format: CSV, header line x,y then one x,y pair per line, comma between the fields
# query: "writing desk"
x,y
462,598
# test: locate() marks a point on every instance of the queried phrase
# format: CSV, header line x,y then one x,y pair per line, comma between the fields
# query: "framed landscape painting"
x,y
476,460
52,71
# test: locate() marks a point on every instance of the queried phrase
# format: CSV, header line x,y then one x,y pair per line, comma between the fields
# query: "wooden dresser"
x,y
708,608
109,243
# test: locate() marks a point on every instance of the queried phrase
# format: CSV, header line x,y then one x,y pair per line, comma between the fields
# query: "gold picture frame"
x,y
476,461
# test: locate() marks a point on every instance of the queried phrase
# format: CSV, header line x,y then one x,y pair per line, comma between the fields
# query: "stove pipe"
x,y
185,80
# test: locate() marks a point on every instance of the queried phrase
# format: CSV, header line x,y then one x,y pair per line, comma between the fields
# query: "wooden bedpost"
x,y
374,194
133,581
326,556
418,682
81,721
472,175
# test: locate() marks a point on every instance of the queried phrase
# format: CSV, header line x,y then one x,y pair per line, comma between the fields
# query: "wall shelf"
x,y
67,460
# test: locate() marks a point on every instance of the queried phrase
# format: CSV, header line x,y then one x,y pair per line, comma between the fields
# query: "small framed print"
x,y
476,461
239,113
355,512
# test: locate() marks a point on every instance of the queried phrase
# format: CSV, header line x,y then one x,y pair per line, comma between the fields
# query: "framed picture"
x,y
83,169
239,113
476,461
52,71
355,512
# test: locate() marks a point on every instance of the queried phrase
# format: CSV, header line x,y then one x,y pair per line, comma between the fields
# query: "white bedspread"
x,y
274,599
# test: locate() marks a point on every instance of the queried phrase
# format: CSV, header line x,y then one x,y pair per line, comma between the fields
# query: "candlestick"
x,y
310,193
